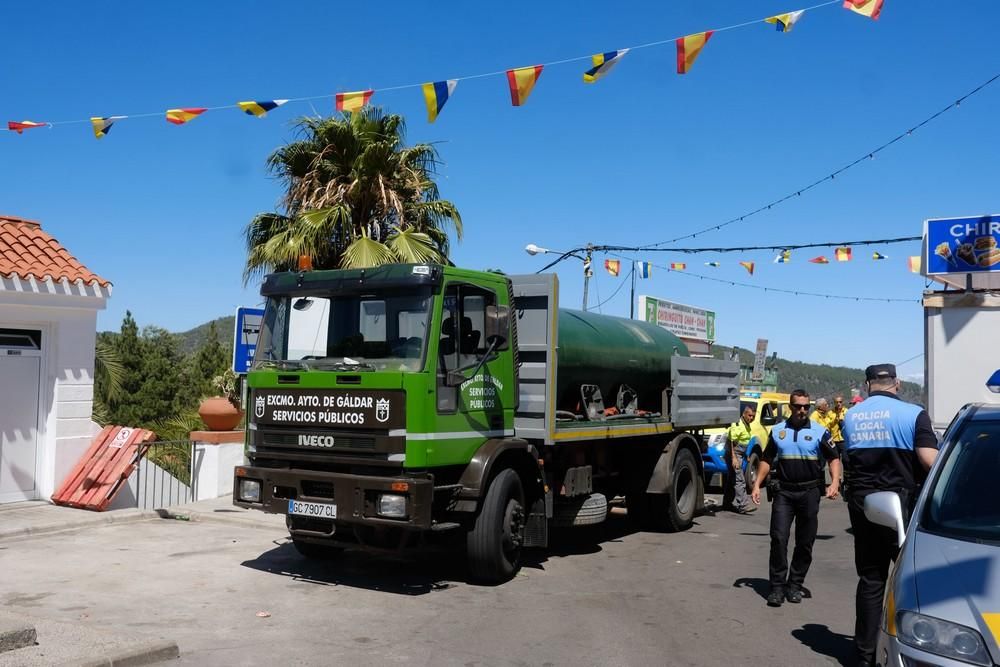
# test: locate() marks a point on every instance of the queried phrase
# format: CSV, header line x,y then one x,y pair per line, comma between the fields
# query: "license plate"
x,y
318,510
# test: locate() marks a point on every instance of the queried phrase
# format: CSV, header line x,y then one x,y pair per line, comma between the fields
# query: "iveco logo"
x,y
316,441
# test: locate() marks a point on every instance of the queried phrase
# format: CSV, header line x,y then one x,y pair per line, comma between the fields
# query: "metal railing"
x,y
165,476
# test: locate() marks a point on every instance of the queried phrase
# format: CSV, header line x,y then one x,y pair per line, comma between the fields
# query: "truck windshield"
x,y
962,503
353,332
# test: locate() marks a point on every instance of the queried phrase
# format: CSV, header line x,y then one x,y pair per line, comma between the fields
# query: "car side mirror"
x,y
885,509
497,326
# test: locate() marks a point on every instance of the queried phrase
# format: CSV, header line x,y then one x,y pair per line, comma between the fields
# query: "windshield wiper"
x,y
343,364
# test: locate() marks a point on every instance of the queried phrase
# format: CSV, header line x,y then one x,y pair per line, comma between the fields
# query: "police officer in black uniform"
x,y
888,446
800,447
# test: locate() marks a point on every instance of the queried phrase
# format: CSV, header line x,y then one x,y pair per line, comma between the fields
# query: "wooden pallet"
x,y
103,470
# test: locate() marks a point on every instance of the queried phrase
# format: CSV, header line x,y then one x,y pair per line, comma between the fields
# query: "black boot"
x,y
775,598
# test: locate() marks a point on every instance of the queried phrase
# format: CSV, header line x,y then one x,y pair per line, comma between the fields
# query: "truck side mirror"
x,y
497,325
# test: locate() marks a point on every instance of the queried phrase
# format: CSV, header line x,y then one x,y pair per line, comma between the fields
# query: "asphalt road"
x,y
694,598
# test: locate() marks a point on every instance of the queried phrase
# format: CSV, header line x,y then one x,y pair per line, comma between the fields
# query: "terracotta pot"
x,y
219,414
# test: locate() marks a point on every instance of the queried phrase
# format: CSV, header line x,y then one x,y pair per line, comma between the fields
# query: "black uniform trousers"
x,y
875,548
802,506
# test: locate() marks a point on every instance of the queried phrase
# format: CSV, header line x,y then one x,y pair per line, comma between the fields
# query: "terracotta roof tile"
x,y
26,250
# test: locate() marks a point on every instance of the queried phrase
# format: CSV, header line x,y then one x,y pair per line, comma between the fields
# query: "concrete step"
x,y
78,645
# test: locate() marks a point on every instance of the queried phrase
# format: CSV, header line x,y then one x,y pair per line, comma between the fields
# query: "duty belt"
x,y
798,486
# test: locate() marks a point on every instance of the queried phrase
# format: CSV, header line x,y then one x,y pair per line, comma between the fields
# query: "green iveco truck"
x,y
396,405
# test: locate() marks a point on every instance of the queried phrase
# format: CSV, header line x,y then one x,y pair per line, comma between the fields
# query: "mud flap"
x,y
536,530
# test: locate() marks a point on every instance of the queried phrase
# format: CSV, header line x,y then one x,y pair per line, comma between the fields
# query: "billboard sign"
x,y
962,245
680,320
759,359
245,337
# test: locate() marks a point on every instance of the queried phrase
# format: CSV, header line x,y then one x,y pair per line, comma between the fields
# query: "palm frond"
x,y
412,247
365,252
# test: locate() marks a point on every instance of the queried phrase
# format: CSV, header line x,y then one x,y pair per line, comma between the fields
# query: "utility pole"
x,y
587,273
631,297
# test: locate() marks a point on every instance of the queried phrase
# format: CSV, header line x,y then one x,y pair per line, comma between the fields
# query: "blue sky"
x,y
642,156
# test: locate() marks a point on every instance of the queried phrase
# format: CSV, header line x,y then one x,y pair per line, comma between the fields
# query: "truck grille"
x,y
317,489
291,440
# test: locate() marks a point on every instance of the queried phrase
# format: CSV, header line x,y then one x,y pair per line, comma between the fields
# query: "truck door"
x,y
481,407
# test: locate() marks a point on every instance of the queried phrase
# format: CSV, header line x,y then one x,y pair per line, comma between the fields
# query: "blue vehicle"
x,y
770,408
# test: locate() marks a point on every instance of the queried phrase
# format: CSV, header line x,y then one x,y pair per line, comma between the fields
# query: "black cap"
x,y
880,372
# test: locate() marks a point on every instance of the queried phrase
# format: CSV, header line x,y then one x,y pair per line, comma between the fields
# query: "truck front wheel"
x,y
496,540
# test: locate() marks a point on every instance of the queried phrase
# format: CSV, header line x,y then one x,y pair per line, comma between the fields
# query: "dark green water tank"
x,y
611,351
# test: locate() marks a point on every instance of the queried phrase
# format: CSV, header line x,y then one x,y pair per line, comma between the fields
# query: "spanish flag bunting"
x,y
353,101
914,263
613,266
259,108
688,49
783,257
603,63
14,126
678,266
436,94
842,254
644,269
869,8
748,266
103,125
714,265
521,81
819,260
878,255
181,116
784,22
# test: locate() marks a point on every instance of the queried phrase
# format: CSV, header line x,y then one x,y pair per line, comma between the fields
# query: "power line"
x,y
870,155
615,293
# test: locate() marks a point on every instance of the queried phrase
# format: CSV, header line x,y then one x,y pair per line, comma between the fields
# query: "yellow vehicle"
x,y
771,407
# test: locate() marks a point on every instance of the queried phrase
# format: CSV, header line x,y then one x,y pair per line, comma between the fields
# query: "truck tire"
x,y
495,543
314,551
751,472
673,511
583,511
679,506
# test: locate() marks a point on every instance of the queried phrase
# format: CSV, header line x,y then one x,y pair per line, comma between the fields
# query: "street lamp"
x,y
587,258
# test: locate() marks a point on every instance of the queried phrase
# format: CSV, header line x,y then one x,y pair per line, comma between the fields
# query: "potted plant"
x,y
223,412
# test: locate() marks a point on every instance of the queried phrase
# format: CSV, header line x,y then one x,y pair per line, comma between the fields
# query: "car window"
x,y
962,502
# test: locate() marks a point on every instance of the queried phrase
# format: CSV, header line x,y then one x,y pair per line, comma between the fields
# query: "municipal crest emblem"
x,y
258,407
781,433
382,410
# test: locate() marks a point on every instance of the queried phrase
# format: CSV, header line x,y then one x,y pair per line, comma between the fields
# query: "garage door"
x,y
20,374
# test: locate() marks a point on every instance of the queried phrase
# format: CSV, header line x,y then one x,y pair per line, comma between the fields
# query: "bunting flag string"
x,y
644,269
784,22
819,260
748,266
842,254
714,265
522,80
181,116
435,95
353,101
914,263
678,266
877,256
781,290
261,107
870,8
603,64
688,49
613,266
103,125
784,257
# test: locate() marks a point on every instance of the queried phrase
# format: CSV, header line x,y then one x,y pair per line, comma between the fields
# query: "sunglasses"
x,y
800,407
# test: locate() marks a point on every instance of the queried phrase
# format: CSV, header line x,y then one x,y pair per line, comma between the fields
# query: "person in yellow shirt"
x,y
824,416
737,439
836,433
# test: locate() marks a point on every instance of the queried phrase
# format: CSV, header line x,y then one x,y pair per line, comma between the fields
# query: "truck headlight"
x,y
944,638
392,506
250,490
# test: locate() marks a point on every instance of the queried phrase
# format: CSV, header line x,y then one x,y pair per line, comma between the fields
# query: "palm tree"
x,y
109,378
355,196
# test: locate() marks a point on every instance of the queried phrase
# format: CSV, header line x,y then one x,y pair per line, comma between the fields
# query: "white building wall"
x,y
69,330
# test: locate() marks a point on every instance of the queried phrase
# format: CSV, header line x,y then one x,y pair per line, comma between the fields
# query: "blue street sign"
x,y
962,245
245,337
